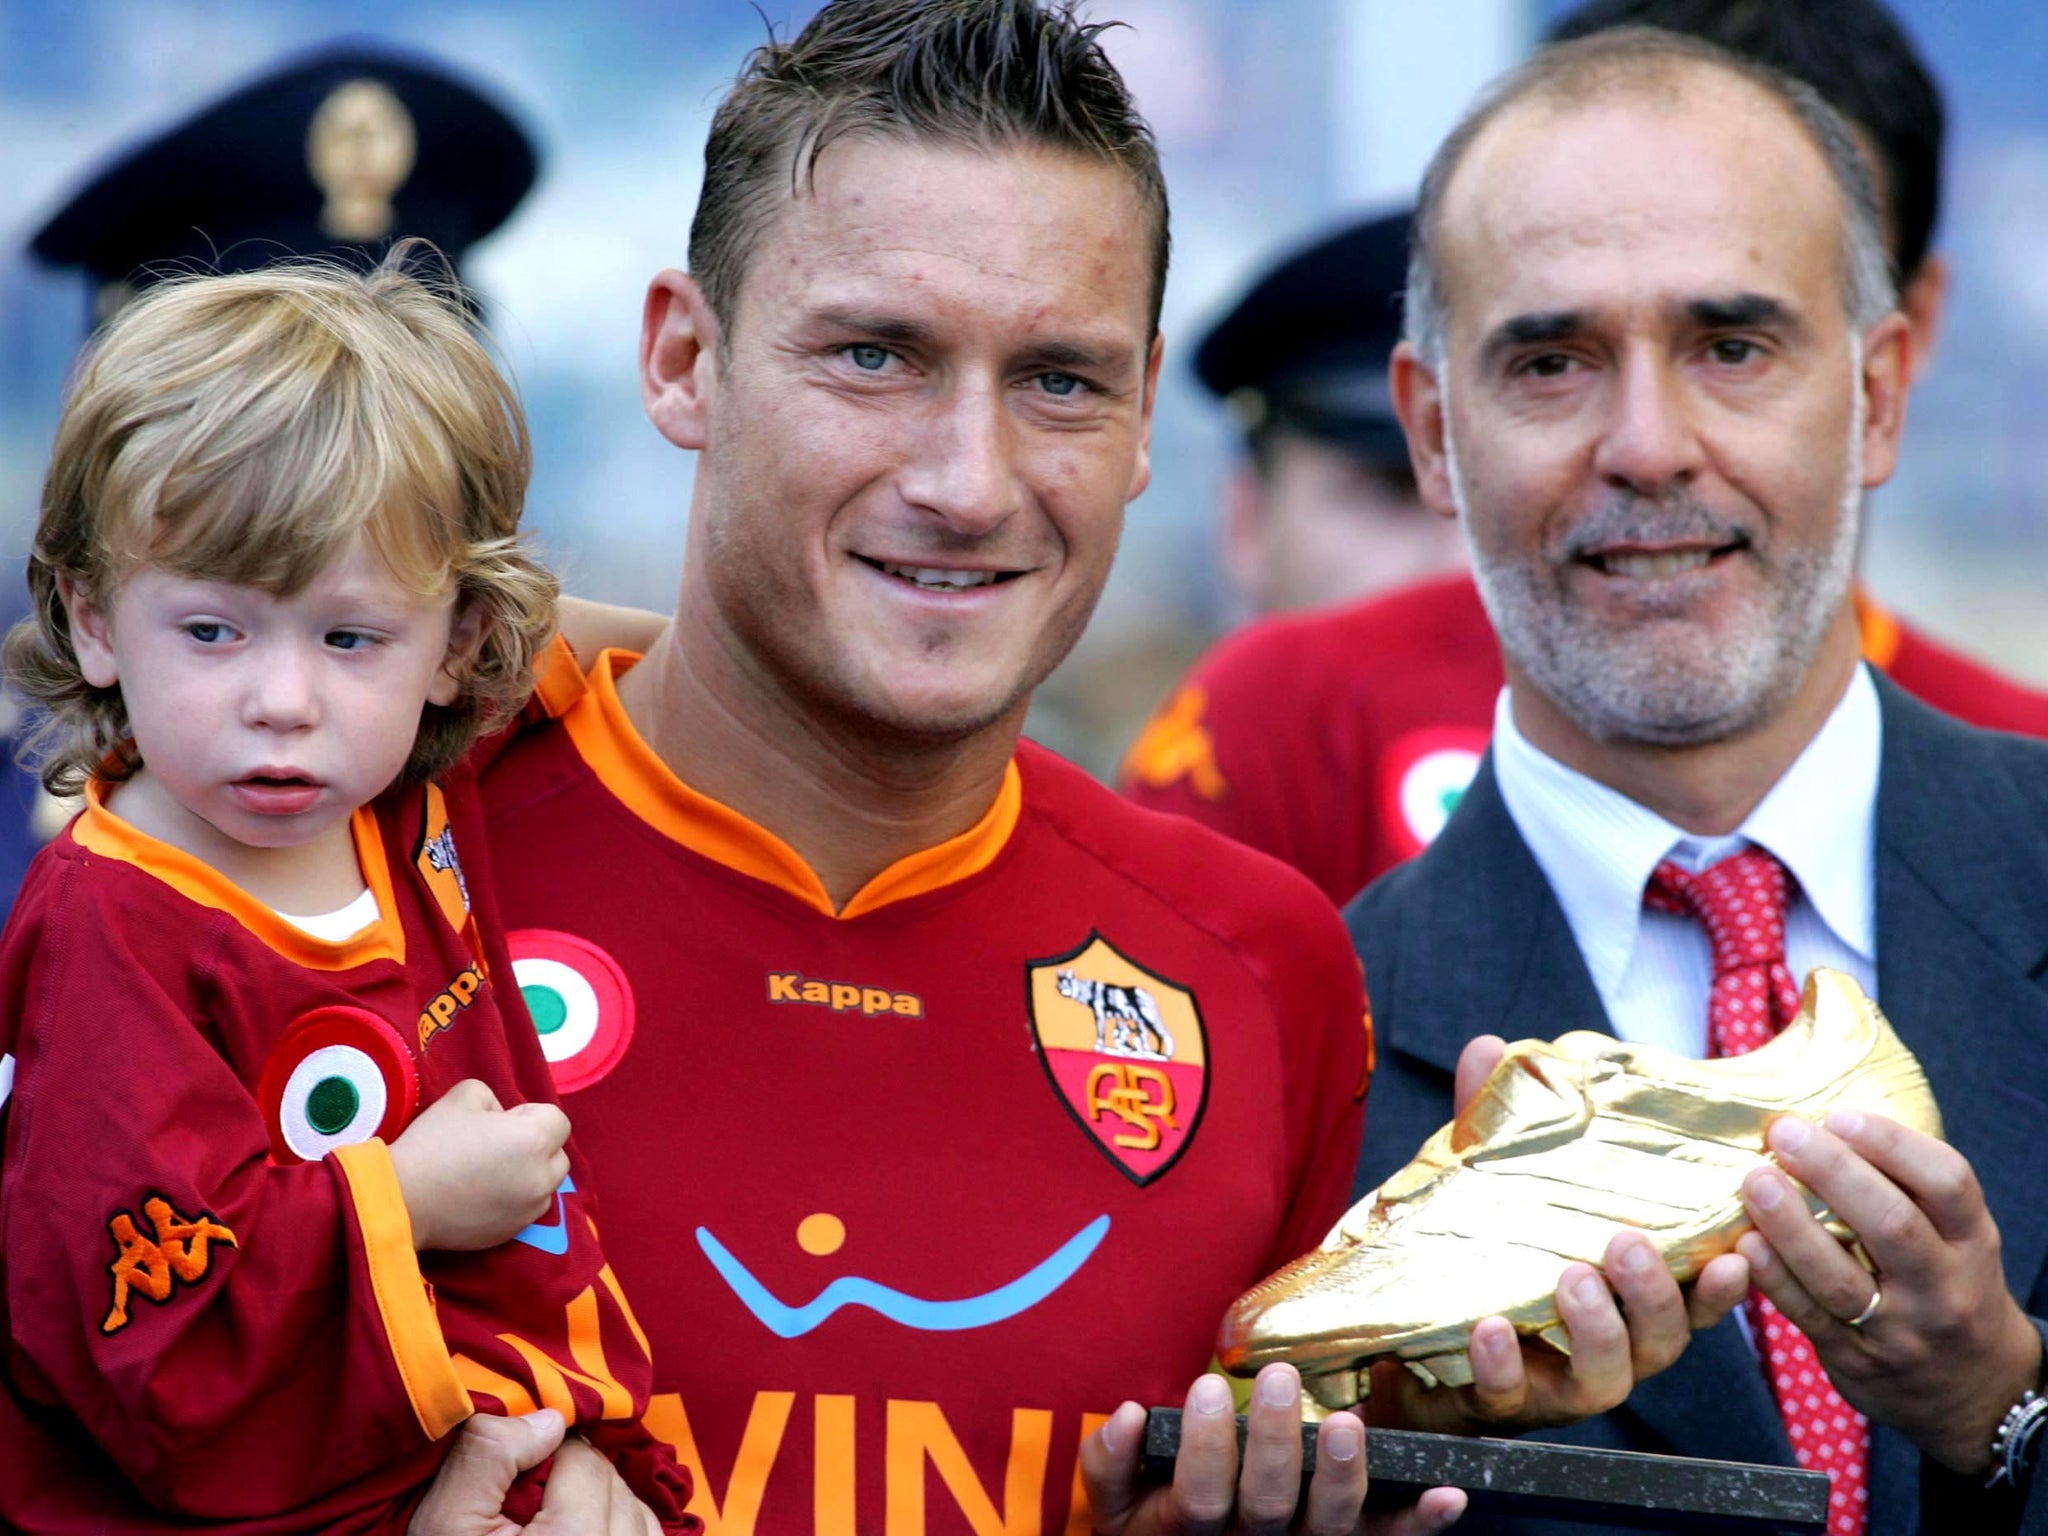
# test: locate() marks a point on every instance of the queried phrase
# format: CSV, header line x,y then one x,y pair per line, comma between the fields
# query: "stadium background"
x,y
1276,118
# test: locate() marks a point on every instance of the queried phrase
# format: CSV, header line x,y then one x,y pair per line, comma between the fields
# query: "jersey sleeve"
x,y
1320,990
1238,747
557,684
240,1338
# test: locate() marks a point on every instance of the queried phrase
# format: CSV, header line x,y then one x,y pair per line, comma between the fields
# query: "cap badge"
x,y
360,148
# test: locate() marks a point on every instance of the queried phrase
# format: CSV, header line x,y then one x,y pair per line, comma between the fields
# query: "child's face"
x,y
271,719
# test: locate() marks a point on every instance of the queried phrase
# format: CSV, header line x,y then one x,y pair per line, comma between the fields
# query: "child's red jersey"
x,y
1339,741
206,1315
911,1194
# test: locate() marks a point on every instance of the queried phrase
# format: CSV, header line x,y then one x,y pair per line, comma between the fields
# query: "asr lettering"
x,y
450,1002
1130,1096
842,996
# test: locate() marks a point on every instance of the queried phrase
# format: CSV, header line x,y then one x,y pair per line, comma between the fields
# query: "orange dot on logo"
x,y
820,1234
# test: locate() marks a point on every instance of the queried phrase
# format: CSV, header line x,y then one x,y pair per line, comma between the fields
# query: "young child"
x,y
283,1197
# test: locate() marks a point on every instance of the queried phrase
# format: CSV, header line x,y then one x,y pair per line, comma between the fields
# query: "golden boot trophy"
x,y
1567,1143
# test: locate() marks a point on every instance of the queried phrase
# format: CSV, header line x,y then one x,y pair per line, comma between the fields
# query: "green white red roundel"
x,y
339,1076
581,1003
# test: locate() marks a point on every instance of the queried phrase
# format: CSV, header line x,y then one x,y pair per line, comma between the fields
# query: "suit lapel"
x,y
1514,969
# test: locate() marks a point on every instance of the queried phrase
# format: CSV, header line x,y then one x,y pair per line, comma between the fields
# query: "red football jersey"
x,y
912,1194
211,1303
1339,741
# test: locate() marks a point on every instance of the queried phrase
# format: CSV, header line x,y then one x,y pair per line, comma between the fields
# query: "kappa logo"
x,y
449,1002
1125,1050
180,1253
438,863
842,996
1176,744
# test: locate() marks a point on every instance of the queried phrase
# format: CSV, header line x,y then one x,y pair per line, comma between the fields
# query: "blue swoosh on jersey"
x,y
1005,1301
550,1239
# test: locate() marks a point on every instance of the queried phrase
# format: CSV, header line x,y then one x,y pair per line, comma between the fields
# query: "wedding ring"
x,y
1869,1310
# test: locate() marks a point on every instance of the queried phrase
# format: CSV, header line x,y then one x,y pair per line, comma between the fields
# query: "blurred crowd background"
x,y
1278,120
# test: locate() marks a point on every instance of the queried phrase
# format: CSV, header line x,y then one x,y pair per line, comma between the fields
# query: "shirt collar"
x,y
1597,847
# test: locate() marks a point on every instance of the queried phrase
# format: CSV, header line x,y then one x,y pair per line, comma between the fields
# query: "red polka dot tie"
x,y
1741,903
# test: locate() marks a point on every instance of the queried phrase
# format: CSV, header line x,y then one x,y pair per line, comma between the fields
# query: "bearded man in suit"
x,y
1653,364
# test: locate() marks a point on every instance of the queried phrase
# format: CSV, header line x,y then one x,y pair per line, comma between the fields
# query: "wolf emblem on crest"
x,y
1127,1019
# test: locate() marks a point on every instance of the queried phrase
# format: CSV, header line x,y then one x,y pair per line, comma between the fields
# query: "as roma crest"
x,y
1124,1050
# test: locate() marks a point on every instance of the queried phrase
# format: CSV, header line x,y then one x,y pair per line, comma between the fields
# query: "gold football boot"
x,y
1567,1143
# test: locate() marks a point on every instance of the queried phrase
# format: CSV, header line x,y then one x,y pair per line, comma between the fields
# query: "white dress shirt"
x,y
1597,847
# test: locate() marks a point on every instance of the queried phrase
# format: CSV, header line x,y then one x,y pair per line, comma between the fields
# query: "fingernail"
x,y
1210,1396
1276,1386
1586,1291
1789,1135
1767,1190
1498,1343
546,1420
1755,1252
1635,1258
1343,1440
1846,1122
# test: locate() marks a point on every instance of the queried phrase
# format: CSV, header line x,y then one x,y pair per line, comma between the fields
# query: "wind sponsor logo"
x,y
823,1458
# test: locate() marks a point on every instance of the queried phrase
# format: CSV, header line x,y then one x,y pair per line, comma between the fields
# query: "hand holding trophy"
x,y
1564,1149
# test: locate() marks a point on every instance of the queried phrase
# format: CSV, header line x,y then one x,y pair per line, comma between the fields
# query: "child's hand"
x,y
472,1173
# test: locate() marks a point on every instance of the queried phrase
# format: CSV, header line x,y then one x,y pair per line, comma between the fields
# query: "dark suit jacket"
x,y
1469,940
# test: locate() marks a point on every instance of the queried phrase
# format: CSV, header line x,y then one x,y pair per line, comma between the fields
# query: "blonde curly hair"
x,y
247,429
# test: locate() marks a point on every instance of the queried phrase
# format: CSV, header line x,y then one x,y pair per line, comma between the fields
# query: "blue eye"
x,y
207,631
1063,385
868,359
347,639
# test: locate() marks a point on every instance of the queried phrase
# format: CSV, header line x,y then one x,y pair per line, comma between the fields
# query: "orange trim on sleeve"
x,y
1880,631
557,680
613,750
433,1382
98,830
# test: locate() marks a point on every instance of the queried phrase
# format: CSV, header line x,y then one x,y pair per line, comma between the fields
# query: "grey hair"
x,y
1619,60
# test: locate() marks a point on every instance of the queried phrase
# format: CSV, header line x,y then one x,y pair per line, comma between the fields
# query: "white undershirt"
x,y
341,924
1654,970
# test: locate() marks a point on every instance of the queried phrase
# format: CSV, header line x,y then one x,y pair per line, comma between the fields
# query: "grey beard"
x,y
1686,687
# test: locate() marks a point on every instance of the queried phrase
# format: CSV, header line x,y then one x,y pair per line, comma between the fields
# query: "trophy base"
x,y
1560,1482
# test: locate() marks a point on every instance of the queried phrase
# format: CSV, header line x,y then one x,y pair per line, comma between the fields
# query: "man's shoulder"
x,y
1931,754
1361,644
1210,878
1964,687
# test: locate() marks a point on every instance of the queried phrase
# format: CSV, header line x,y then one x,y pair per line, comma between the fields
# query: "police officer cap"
x,y
1307,347
337,154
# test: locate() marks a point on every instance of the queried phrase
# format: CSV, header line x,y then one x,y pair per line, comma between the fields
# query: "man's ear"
x,y
465,639
678,358
92,635
1420,402
1923,300
1887,377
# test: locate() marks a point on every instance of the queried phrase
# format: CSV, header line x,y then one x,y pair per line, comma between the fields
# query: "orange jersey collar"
x,y
1879,631
98,830
613,750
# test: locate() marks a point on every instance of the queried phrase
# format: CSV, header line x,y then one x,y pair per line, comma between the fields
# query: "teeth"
x,y
1657,567
933,579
